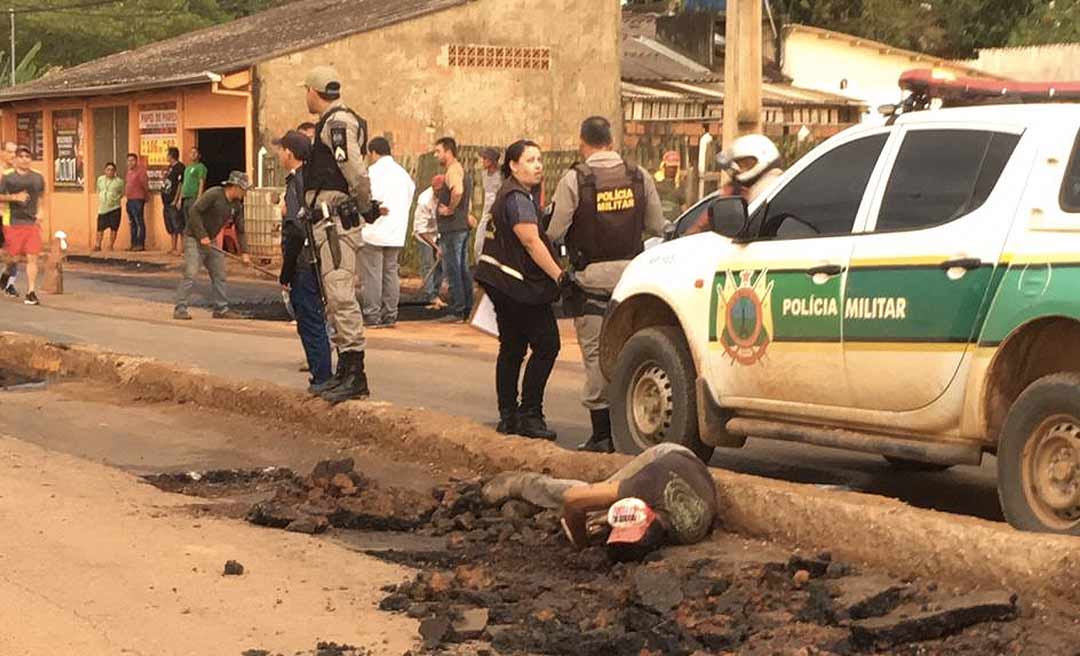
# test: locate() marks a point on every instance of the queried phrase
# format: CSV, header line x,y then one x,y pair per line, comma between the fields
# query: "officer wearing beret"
x,y
337,194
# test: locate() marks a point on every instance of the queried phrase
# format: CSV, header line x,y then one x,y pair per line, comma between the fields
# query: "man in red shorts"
x,y
24,188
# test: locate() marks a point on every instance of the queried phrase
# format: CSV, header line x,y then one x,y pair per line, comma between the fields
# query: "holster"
x,y
333,240
573,301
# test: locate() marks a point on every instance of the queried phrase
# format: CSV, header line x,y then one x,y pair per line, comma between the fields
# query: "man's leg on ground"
x,y
370,264
191,268
454,246
466,277
537,489
138,231
339,285
214,261
391,285
311,323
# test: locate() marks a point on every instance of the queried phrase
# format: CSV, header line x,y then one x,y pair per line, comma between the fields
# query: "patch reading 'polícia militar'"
x,y
339,141
615,200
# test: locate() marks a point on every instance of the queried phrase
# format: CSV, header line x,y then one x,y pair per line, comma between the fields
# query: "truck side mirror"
x,y
728,216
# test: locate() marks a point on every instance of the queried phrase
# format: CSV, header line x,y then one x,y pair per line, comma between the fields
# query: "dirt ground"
x,y
95,562
505,579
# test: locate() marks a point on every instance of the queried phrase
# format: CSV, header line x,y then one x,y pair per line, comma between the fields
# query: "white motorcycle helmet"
x,y
758,146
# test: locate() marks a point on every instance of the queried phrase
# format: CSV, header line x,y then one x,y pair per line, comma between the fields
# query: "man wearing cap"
x,y
298,271
208,215
490,179
337,192
664,496
669,186
603,207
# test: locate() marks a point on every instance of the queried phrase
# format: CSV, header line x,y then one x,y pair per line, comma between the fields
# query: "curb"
x,y
881,532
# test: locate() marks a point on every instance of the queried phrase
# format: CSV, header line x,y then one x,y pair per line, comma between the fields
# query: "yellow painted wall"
x,y
75,211
398,79
872,73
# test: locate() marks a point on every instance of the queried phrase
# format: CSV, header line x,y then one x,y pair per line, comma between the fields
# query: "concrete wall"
x,y
1057,62
869,72
399,80
75,210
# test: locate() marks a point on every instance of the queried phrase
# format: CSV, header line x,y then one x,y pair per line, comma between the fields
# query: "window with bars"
x,y
498,57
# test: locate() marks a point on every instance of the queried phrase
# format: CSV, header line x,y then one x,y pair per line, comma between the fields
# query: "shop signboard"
x,y
68,154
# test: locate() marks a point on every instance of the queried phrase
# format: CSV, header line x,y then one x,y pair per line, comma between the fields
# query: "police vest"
x,y
321,170
505,264
610,216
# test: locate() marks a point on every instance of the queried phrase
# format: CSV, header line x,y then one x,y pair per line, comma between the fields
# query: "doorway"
x,y
110,140
223,150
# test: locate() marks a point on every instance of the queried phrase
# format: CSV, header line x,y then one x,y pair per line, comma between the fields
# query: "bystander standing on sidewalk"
x,y
453,218
385,237
10,268
172,199
24,188
491,179
110,189
426,231
207,217
136,190
193,186
298,274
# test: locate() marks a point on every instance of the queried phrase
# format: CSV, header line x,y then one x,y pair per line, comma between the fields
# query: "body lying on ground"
x,y
664,496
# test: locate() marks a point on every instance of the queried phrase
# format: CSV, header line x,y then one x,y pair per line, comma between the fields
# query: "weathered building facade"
x,y
483,71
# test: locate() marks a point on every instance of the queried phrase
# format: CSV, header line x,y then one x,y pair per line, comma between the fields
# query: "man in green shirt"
x,y
110,189
194,184
208,215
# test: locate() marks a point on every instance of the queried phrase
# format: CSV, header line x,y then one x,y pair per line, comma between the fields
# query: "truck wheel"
x,y
1039,457
903,464
652,394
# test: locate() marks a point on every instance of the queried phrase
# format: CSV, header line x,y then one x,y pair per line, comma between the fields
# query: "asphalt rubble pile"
x,y
509,582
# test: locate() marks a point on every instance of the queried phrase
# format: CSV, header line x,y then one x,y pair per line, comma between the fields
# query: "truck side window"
x,y
941,175
1070,188
824,198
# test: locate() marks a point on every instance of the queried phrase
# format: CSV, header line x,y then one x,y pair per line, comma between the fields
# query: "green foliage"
x,y
26,69
75,31
1051,21
947,28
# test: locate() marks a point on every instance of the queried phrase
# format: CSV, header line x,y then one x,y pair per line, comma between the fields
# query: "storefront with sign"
x,y
72,140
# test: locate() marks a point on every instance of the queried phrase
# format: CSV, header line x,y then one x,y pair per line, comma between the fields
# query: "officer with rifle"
x,y
299,269
602,207
337,195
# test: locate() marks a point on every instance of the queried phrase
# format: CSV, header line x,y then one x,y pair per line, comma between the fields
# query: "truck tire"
x,y
652,394
1039,457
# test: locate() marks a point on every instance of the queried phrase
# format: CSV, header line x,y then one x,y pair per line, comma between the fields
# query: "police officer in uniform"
x,y
337,195
603,207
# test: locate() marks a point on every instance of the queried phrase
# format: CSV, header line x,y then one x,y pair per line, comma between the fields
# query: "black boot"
x,y
530,423
354,385
600,441
508,422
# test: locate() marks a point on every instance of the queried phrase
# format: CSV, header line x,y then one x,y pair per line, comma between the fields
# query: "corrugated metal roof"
x,y
226,48
772,95
645,59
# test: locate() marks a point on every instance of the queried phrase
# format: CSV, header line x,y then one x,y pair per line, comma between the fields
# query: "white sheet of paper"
x,y
483,318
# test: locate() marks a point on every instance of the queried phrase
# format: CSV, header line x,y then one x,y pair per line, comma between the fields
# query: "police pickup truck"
x,y
909,289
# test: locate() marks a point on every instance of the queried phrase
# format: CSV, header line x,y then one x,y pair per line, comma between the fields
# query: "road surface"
x,y
439,366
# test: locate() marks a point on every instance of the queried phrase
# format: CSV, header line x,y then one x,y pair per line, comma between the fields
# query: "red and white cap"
x,y
630,519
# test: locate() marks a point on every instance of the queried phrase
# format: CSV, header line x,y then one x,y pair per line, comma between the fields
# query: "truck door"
x,y
920,278
775,319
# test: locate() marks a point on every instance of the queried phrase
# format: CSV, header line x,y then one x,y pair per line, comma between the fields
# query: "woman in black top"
x,y
519,273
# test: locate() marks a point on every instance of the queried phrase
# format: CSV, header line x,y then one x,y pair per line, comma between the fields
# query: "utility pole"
x,y
742,69
11,12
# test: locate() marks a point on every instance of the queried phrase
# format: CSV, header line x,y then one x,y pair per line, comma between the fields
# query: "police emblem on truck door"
x,y
741,317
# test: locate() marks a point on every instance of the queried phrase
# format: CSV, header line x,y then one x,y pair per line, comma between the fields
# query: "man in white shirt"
x,y
491,179
384,239
426,231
